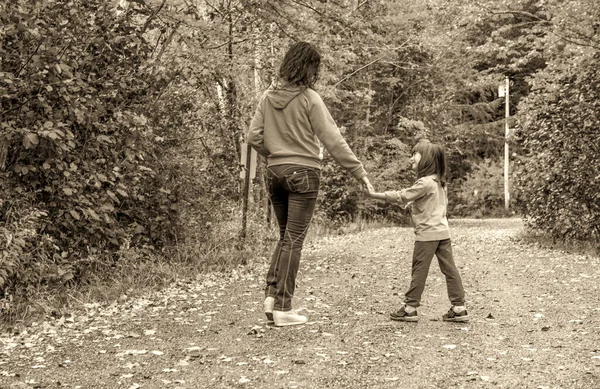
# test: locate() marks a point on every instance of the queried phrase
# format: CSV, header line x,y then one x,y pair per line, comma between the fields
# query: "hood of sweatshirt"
x,y
281,97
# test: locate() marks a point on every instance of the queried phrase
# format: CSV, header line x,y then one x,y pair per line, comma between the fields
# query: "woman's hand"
x,y
367,185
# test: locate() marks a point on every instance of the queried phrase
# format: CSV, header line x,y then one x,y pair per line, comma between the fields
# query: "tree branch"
x,y
20,105
367,65
279,24
152,16
585,40
28,59
358,70
167,41
308,6
209,154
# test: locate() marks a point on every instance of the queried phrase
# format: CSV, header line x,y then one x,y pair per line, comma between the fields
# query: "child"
x,y
428,201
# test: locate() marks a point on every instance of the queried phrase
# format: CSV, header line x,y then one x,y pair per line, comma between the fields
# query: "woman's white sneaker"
x,y
288,318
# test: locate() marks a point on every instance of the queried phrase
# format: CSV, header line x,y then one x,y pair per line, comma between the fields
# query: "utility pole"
x,y
504,90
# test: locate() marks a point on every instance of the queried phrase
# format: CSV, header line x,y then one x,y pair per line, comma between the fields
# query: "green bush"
x,y
77,153
21,245
559,179
481,193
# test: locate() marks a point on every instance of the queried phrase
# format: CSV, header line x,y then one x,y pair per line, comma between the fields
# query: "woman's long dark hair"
x,y
300,65
433,160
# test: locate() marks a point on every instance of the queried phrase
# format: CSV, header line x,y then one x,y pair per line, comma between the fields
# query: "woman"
x,y
289,125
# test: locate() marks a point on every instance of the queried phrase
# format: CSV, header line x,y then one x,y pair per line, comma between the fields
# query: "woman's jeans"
x,y
422,256
293,190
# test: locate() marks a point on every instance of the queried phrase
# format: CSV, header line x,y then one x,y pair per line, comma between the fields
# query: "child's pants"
x,y
422,256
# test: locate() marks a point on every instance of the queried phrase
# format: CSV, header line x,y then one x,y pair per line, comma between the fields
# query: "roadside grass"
x,y
542,239
137,272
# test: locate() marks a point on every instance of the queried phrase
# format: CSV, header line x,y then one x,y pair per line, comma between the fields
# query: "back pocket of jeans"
x,y
297,182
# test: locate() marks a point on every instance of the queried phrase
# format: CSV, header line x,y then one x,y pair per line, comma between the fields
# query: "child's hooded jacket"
x,y
429,202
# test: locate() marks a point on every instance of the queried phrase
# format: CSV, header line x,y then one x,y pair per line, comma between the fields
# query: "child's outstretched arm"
x,y
404,196
377,195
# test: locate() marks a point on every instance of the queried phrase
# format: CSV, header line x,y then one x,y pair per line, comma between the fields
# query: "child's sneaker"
x,y
453,316
402,315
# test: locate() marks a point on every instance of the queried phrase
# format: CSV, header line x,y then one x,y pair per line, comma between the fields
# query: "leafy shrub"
x,y
19,244
559,177
77,152
482,191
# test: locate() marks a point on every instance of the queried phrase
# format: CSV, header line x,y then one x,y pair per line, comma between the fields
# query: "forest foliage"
x,y
121,120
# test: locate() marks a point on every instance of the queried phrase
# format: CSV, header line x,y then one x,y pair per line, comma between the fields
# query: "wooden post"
x,y
247,179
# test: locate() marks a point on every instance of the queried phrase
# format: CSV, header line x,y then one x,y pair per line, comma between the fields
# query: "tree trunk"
x,y
4,144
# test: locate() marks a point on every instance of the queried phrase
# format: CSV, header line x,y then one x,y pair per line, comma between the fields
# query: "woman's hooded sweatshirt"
x,y
289,123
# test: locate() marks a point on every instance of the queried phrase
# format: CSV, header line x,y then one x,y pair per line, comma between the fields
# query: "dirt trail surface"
x,y
534,324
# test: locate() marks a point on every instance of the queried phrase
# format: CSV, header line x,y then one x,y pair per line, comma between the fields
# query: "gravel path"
x,y
535,324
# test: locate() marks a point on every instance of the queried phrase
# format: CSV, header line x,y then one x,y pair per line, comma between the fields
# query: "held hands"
x,y
367,187
370,191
